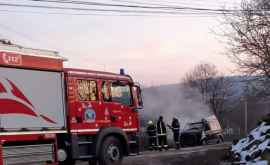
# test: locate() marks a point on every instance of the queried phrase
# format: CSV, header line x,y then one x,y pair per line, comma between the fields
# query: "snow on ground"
x,y
249,150
263,162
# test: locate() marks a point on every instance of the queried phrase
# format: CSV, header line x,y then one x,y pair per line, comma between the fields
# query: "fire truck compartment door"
x,y
31,100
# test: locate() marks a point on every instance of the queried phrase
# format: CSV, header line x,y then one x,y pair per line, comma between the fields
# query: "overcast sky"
x,y
154,50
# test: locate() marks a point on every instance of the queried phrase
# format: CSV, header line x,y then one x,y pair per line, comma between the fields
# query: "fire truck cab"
x,y
102,117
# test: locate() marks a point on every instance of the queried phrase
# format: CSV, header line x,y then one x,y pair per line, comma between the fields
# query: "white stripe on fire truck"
x,y
83,130
130,129
96,130
31,132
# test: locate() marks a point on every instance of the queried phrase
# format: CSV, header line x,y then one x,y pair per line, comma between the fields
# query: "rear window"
x,y
87,90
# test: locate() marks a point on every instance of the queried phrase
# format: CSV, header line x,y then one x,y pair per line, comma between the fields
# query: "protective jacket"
x,y
161,128
176,132
151,130
175,125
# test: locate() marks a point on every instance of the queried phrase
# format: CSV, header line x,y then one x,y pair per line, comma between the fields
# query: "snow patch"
x,y
249,150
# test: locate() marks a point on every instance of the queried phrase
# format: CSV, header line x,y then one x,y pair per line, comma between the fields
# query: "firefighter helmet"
x,y
150,122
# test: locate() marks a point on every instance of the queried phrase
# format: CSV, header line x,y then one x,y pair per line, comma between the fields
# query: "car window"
x,y
87,90
121,93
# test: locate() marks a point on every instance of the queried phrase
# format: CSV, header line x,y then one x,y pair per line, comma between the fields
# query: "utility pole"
x,y
244,99
246,116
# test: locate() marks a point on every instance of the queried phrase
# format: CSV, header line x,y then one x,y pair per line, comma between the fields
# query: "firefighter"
x,y
152,134
205,127
162,134
175,127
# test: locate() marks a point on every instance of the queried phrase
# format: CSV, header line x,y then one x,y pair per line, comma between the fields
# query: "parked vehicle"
x,y
54,115
202,132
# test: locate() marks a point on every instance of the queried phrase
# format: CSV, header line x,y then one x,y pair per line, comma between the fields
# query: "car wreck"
x,y
204,132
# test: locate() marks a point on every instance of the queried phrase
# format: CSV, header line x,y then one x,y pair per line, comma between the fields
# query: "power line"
x,y
99,4
160,4
20,34
140,3
175,11
132,6
168,3
97,14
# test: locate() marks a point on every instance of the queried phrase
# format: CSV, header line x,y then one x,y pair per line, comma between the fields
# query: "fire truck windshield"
x,y
121,93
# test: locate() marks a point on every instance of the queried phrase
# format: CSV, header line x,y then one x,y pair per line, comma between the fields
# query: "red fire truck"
x,y
52,115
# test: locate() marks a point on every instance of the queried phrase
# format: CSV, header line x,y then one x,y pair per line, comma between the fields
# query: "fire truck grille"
x,y
28,154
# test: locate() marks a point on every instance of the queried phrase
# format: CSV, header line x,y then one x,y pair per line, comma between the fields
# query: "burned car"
x,y
203,132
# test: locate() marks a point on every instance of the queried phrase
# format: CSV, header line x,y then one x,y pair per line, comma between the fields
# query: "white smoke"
x,y
174,101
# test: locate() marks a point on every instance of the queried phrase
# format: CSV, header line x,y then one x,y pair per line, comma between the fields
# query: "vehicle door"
x,y
105,115
120,103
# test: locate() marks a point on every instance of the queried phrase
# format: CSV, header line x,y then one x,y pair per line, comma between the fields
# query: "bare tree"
x,y
248,34
200,77
213,87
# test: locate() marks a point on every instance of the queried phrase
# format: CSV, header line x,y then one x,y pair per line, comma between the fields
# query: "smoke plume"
x,y
174,101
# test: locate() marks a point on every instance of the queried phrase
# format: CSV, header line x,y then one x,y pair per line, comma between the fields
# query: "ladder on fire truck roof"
x,y
8,46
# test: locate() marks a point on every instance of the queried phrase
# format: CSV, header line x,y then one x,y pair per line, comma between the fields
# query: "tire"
x,y
111,152
204,142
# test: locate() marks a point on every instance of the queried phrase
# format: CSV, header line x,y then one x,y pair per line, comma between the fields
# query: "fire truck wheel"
x,y
111,152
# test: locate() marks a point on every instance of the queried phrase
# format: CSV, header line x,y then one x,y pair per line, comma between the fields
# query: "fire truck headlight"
x,y
62,155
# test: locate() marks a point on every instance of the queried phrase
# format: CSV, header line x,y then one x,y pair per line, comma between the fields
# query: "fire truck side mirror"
x,y
139,98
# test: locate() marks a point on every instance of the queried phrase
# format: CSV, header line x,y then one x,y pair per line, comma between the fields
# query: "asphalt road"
x,y
203,155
